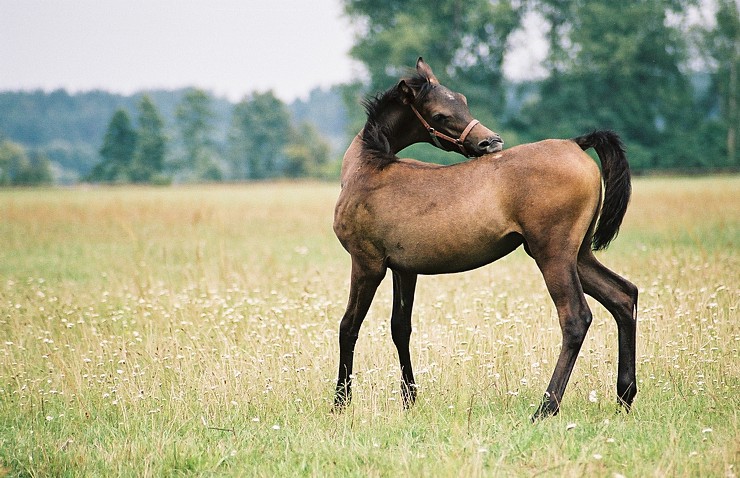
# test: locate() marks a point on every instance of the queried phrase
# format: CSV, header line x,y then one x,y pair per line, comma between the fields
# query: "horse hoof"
x,y
547,409
408,392
340,403
625,403
623,406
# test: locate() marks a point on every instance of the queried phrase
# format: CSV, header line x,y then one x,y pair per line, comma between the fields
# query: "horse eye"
x,y
439,117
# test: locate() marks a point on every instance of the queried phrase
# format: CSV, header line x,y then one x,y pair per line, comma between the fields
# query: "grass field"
x,y
193,331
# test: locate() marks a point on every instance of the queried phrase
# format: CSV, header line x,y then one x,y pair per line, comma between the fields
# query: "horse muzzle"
x,y
492,144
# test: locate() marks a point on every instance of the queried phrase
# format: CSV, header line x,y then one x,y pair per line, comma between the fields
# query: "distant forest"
x,y
647,70
65,133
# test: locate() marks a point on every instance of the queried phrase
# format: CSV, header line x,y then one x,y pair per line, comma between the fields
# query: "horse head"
x,y
442,116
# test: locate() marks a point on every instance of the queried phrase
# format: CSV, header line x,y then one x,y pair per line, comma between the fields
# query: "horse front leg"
x,y
563,284
404,286
363,284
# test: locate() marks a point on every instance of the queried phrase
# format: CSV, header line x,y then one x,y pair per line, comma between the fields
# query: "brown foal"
x,y
417,218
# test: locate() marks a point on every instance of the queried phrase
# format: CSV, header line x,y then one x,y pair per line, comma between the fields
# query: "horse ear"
x,y
425,70
408,95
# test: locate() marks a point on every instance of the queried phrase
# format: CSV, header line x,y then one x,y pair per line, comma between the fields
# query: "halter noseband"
x,y
436,134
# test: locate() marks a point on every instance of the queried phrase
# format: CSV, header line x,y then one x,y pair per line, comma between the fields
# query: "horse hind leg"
x,y
404,285
561,277
619,297
363,284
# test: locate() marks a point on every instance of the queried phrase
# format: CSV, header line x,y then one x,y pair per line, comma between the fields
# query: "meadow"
x,y
192,331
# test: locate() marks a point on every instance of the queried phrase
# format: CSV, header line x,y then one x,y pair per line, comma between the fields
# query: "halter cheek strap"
x,y
436,134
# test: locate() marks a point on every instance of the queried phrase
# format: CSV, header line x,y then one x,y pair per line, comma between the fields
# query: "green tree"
x,y
195,118
34,170
117,151
260,128
352,95
722,45
10,154
307,154
148,161
17,168
620,66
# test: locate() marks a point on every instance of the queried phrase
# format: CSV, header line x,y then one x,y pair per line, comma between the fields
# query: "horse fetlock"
x,y
342,396
408,393
626,394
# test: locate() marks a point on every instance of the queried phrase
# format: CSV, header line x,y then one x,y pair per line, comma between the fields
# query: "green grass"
x,y
193,331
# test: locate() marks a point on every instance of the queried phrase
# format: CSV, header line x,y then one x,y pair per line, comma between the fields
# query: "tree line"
x,y
262,143
668,84
161,137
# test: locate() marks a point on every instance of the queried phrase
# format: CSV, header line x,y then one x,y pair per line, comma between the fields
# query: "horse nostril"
x,y
488,142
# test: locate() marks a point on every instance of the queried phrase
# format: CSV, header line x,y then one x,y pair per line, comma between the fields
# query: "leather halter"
x,y
436,134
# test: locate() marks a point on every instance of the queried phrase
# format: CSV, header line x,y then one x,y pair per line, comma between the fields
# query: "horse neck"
x,y
403,131
405,128
400,126
353,159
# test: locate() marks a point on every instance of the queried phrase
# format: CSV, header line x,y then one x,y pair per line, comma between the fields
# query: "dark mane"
x,y
376,131
377,128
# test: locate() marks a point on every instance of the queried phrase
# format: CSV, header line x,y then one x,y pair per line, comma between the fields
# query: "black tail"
x,y
617,183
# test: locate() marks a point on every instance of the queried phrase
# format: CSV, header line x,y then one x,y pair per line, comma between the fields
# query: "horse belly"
x,y
442,250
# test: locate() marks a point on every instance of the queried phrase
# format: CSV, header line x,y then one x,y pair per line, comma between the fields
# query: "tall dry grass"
x,y
149,332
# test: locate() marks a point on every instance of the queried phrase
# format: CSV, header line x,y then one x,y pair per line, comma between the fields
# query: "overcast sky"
x,y
229,47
